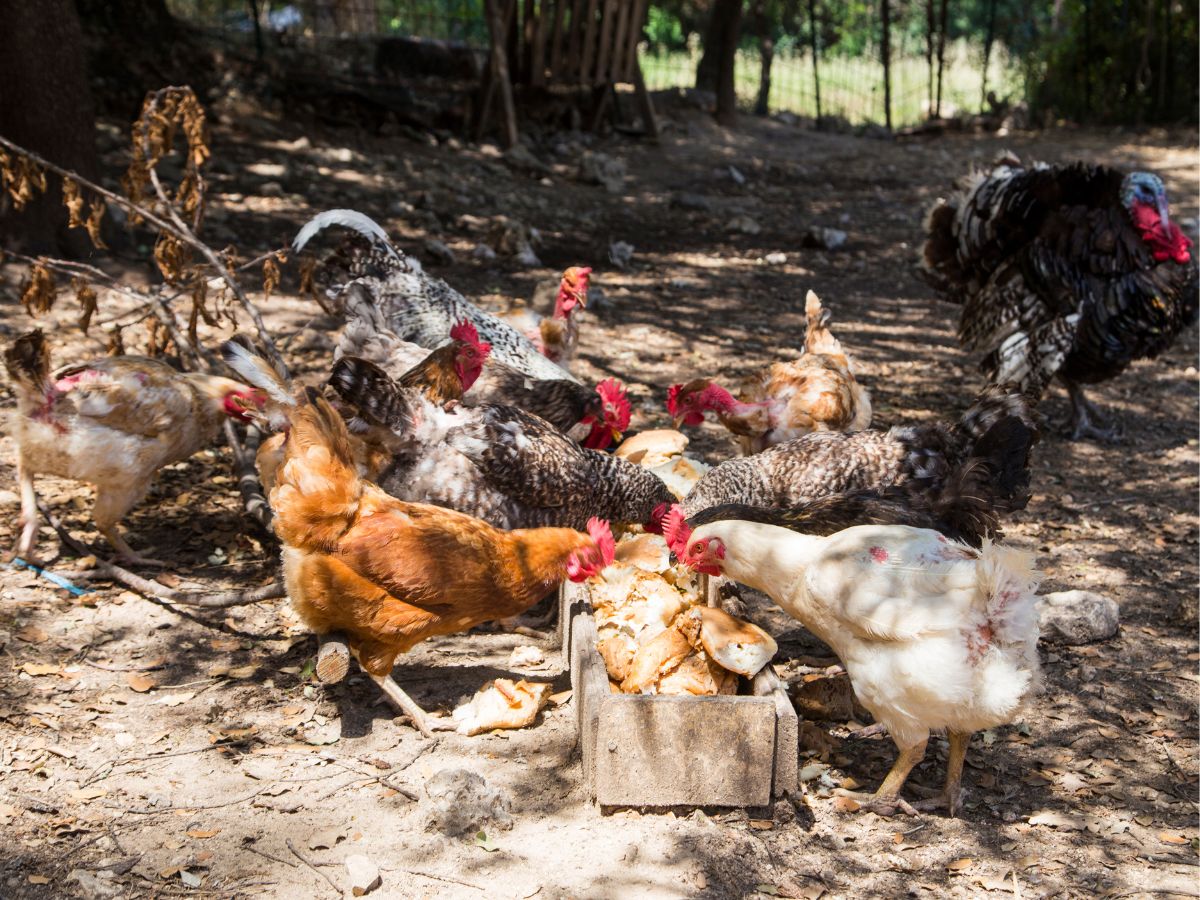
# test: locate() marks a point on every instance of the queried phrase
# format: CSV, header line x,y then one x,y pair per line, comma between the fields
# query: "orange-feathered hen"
x,y
787,400
389,574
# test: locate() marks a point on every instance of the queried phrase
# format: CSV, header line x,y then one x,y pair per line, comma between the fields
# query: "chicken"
x,y
817,392
997,432
389,574
112,422
600,414
933,634
557,334
499,463
445,373
963,506
416,306
1070,271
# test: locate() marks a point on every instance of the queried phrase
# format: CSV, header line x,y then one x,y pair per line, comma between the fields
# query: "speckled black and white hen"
x,y
497,463
416,306
988,447
565,404
1069,271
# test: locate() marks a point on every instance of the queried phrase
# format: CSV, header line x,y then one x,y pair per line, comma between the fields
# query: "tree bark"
x,y
48,108
766,52
941,56
725,16
730,12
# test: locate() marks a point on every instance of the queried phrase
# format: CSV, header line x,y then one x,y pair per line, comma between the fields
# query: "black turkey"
x,y
1074,271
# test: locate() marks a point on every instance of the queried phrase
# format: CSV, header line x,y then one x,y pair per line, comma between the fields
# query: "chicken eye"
x,y
698,547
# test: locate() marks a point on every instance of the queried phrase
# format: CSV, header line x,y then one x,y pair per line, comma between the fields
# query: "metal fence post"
x,y
812,23
886,50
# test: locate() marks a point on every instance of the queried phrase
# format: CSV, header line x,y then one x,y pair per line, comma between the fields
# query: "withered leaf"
x,y
39,292
86,296
139,682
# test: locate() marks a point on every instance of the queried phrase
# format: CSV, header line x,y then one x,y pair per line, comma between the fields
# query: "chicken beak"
x,y
678,420
616,435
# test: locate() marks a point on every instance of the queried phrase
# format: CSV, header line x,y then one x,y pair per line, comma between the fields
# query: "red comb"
x,y
466,332
673,399
676,530
612,391
657,516
602,535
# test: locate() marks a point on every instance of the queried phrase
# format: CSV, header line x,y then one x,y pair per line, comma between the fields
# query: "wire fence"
x,y
847,84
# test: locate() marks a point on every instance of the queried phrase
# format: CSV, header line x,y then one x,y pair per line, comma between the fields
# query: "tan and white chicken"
x,y
112,422
787,400
557,334
934,635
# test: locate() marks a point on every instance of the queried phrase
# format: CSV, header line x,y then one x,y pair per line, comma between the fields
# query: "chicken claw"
x,y
421,720
884,805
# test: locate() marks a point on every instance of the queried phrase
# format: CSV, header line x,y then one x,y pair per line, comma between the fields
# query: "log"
x,y
333,658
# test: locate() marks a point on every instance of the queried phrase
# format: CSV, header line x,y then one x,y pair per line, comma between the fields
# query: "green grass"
x,y
851,87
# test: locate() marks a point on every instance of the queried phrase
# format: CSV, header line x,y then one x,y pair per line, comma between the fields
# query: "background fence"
x,y
1056,53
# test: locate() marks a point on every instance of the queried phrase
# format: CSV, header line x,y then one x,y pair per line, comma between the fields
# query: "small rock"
x,y
775,259
738,178
526,656
600,168
526,257
459,801
94,885
363,874
439,252
743,225
621,254
787,118
823,238
268,169
1078,617
271,189
521,157
483,252
9,498
694,202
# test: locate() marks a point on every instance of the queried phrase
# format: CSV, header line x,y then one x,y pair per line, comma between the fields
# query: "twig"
x,y
278,859
150,588
300,856
102,667
138,811
444,878
113,763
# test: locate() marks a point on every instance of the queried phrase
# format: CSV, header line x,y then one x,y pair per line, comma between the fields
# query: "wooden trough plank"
x,y
589,43
556,48
604,47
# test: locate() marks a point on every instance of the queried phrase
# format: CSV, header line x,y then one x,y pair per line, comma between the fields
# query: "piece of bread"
x,y
652,448
654,659
739,646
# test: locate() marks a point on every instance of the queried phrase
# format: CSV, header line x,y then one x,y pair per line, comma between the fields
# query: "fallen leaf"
x,y
560,698
484,842
769,889
1168,837
292,710
176,699
31,634
190,879
38,879
41,669
846,804
139,682
242,671
1072,783
88,793
762,824
1057,820
203,832
225,644
960,865
8,812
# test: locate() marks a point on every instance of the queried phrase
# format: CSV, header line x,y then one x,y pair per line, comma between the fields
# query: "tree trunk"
x,y
766,51
724,17
48,108
988,40
941,56
885,50
731,13
812,42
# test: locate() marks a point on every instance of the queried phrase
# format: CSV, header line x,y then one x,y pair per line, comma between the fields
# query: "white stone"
x,y
363,874
1078,617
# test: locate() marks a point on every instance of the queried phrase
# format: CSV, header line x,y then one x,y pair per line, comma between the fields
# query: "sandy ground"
x,y
157,751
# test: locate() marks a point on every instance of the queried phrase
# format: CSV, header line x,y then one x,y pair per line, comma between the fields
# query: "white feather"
x,y
256,371
347,218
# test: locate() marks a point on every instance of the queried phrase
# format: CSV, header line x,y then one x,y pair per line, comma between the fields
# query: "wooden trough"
x,y
649,750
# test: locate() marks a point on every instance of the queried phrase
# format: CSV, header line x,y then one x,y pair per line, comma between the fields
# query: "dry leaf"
x,y
960,865
176,699
846,804
31,634
139,682
1057,820
38,879
41,669
88,793
203,833
1168,837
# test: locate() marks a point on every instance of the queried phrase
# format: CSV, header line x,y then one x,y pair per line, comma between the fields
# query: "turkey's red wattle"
x,y
1165,242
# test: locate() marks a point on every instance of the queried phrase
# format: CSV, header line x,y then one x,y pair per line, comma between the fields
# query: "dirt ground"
x,y
148,750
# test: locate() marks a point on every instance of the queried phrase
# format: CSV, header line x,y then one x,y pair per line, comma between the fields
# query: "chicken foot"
x,y
408,706
951,796
109,508
1086,420
886,799
28,522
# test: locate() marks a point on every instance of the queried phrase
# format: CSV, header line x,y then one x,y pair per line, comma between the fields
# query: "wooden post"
x,y
645,104
333,658
941,56
1087,58
988,38
498,80
812,28
885,47
727,61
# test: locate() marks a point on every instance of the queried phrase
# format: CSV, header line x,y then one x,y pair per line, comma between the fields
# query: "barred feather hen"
x,y
416,306
498,463
984,455
1069,271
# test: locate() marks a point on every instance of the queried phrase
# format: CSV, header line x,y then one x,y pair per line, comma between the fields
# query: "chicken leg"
x,y
408,706
951,795
107,511
1086,420
886,799
28,522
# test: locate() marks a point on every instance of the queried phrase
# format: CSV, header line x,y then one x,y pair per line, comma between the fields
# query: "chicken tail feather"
x,y
27,360
817,336
371,391
346,218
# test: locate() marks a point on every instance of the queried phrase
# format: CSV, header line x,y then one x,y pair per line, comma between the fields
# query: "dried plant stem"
x,y
149,588
300,856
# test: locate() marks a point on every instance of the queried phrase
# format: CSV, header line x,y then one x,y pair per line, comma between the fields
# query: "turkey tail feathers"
x,y
346,218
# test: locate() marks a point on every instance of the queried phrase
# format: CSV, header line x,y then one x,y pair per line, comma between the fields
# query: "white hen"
x,y
933,634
